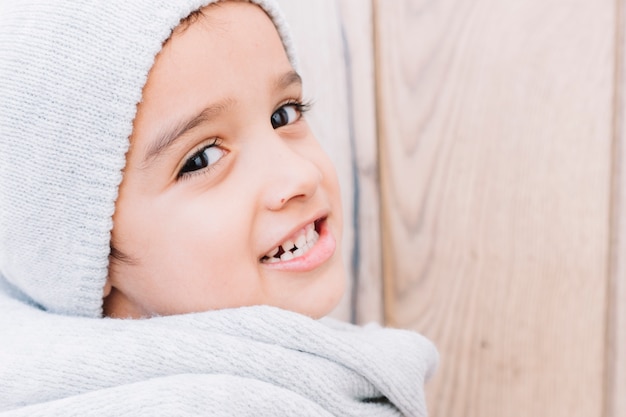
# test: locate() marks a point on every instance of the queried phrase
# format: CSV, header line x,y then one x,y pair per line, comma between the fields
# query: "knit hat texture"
x,y
71,75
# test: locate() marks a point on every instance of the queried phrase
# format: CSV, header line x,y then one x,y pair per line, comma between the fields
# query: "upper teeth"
x,y
297,245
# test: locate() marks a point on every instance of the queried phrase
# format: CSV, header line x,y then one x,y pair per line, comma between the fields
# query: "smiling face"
x,y
227,198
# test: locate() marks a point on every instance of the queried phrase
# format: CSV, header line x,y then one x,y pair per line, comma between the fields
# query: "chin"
x,y
327,302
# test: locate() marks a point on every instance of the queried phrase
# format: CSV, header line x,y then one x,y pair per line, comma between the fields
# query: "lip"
x,y
323,249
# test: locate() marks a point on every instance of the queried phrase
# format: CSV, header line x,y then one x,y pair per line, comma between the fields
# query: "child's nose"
x,y
290,176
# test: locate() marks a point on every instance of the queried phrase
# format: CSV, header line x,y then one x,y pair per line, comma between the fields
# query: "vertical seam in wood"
x,y
610,373
355,256
387,281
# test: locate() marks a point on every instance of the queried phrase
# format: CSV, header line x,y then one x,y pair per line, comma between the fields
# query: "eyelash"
x,y
186,175
303,106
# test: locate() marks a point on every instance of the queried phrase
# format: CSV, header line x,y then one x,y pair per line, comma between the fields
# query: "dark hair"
x,y
189,20
120,256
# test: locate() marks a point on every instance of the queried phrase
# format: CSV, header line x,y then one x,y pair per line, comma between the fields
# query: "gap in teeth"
x,y
296,246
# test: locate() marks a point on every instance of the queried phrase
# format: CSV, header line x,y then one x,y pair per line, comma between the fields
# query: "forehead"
x,y
227,34
231,49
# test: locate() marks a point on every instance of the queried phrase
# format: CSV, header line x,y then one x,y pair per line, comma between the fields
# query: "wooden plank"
x,y
357,22
616,355
495,144
316,29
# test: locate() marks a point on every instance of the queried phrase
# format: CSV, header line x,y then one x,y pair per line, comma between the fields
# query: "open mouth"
x,y
297,245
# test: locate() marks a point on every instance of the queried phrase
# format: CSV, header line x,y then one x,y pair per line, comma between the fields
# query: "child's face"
x,y
221,171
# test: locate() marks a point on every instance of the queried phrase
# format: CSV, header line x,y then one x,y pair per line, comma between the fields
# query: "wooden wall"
x,y
481,150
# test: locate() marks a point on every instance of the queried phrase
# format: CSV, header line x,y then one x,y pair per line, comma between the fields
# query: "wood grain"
x,y
495,145
357,19
616,331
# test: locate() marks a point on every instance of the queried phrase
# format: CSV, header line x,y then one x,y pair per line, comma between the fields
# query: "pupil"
x,y
279,118
198,162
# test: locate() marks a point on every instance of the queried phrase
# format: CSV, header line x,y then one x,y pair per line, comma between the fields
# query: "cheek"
x,y
331,183
204,232
190,258
197,227
314,152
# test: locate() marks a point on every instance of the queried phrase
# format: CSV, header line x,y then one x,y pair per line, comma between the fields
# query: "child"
x,y
155,164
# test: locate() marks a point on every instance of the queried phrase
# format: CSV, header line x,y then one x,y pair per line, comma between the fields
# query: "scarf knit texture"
x,y
251,361
72,73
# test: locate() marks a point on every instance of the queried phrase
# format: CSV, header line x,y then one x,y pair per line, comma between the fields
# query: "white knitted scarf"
x,y
253,361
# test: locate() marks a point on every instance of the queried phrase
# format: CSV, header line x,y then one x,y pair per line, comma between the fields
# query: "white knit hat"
x,y
71,75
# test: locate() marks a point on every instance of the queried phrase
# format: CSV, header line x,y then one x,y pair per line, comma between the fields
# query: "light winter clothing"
x,y
251,361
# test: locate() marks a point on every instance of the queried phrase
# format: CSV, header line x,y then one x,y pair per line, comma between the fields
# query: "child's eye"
x,y
287,114
202,159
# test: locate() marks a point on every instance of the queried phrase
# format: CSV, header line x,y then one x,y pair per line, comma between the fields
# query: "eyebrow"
x,y
287,79
168,138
